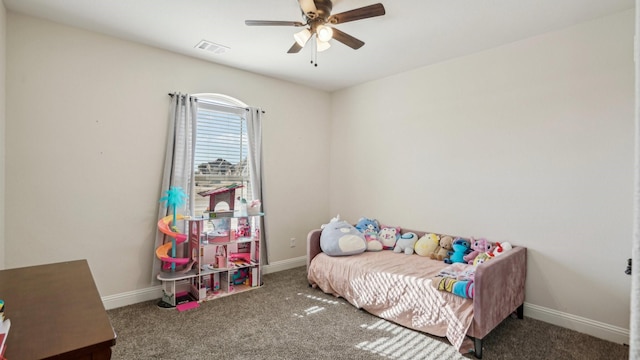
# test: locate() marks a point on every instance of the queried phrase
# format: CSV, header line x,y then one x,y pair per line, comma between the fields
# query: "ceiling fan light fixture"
x,y
322,45
302,37
325,33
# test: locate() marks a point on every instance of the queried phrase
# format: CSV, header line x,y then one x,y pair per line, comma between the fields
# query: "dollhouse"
x,y
223,260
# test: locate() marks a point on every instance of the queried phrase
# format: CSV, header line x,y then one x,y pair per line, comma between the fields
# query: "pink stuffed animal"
x,y
478,246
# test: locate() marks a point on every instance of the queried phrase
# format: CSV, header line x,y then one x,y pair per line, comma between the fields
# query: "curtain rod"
x,y
220,104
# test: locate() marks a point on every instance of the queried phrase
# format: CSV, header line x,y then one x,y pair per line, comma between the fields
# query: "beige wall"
x,y
86,124
530,143
3,22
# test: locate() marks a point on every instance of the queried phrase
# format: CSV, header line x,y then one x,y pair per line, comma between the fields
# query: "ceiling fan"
x,y
317,20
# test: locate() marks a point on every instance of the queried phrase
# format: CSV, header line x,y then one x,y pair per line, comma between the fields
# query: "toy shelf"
x,y
237,241
209,270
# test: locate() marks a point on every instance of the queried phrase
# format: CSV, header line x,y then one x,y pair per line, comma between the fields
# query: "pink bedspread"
x,y
396,287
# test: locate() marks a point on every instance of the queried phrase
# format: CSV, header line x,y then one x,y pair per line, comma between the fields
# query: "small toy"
x,y
481,259
443,249
460,248
370,229
406,243
462,288
254,207
243,229
427,245
388,235
501,248
240,276
478,246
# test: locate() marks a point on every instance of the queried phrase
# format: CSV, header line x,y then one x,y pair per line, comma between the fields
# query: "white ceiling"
x,y
413,33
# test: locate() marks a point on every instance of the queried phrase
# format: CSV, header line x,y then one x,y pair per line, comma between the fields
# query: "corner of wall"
x,y
3,62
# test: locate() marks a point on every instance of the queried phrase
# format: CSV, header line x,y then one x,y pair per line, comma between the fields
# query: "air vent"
x,y
211,47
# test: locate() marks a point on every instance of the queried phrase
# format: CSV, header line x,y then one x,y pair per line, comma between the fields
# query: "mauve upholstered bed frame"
x,y
499,288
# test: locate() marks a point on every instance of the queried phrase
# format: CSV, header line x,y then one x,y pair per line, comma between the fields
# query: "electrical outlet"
x,y
292,242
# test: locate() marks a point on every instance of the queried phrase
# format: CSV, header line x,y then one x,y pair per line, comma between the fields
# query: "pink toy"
x,y
240,256
162,252
244,229
187,306
388,235
478,246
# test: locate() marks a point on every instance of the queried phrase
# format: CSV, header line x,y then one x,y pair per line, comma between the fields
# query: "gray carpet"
x,y
286,319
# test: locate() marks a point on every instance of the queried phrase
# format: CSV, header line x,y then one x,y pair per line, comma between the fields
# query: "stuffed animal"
x,y
463,288
370,229
481,259
460,249
335,219
478,246
427,245
406,243
339,238
388,236
501,248
443,249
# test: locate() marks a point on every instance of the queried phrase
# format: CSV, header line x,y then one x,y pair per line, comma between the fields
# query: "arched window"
x,y
221,147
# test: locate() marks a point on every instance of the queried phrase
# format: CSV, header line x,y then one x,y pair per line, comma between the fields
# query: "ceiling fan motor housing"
x,y
323,11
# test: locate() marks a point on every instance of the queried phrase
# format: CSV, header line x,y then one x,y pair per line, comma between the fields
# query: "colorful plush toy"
x,y
460,249
462,288
481,259
406,243
445,246
339,238
427,245
478,246
388,236
370,229
501,248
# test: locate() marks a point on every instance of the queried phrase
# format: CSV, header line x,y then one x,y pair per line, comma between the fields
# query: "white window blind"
x,y
220,157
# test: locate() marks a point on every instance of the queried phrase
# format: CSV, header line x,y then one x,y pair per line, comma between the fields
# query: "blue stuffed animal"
x,y
370,229
461,247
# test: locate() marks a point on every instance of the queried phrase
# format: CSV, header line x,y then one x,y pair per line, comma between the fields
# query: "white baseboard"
x,y
132,297
580,324
284,265
155,292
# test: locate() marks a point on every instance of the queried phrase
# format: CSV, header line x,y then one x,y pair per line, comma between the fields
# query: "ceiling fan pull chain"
x,y
314,52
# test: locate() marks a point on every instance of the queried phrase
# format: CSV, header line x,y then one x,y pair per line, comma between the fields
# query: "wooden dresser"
x,y
55,312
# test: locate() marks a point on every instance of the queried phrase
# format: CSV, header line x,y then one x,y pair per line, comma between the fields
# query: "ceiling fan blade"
x,y
272,23
358,14
309,8
347,39
294,48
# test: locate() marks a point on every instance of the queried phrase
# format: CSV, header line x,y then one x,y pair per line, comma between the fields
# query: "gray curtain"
x,y
178,163
254,133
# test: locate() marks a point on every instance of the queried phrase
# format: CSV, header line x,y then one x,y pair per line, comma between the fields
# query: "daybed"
x,y
398,287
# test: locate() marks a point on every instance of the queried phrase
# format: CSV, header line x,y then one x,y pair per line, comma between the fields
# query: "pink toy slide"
x,y
162,252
